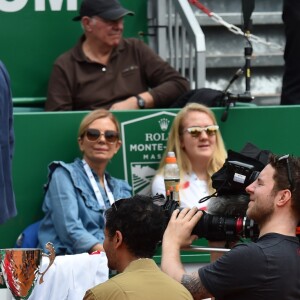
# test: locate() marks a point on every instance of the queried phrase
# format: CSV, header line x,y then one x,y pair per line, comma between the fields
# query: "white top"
x,y
191,190
70,276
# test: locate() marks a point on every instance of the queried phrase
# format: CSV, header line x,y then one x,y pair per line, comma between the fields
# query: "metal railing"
x,y
176,36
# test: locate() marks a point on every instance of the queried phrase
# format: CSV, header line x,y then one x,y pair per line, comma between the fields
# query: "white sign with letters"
x,y
39,5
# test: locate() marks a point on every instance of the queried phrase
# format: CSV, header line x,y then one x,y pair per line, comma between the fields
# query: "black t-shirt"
x,y
267,269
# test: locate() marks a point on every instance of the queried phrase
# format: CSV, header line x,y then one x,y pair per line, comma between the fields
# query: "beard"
x,y
260,213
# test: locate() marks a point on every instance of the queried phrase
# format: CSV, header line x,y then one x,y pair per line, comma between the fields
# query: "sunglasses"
x,y
288,168
110,136
195,131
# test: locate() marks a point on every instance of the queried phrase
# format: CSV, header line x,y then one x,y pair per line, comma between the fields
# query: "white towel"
x,y
70,276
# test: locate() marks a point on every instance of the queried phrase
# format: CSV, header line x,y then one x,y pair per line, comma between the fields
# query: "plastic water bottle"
x,y
171,176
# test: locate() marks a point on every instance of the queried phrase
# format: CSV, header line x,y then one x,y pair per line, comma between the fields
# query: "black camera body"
x,y
239,170
240,175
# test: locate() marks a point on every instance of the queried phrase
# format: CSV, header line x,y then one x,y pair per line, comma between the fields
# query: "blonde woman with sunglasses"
x,y
196,140
78,193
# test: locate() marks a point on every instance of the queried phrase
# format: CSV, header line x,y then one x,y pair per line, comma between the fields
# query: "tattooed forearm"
x,y
193,283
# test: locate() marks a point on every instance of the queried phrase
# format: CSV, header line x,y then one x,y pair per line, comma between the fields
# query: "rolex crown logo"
x,y
164,124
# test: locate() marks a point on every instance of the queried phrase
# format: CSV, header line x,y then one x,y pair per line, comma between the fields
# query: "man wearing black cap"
x,y
108,71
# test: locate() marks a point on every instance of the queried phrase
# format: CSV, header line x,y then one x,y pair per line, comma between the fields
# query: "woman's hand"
x,y
97,247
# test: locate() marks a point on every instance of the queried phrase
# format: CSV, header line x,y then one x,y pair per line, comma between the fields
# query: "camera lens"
x,y
216,228
220,228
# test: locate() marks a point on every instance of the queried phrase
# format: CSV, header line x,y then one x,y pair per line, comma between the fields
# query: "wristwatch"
x,y
140,102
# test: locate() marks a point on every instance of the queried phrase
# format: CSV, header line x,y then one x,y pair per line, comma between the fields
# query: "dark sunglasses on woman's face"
x,y
93,135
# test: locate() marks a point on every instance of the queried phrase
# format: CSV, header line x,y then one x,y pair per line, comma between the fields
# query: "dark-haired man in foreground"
x,y
134,227
267,269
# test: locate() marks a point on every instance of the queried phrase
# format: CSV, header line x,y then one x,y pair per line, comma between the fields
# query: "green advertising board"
x,y
35,32
144,141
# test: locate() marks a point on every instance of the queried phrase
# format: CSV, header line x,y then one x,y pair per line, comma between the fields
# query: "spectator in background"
x,y
133,230
78,193
291,78
198,145
108,71
7,198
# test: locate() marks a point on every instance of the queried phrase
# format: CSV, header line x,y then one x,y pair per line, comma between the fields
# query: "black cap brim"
x,y
110,15
78,18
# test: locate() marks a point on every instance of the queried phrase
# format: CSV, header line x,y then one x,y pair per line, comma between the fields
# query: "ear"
x,y
118,238
118,146
80,144
284,197
86,23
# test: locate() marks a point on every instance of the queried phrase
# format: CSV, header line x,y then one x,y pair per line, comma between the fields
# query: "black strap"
x,y
207,197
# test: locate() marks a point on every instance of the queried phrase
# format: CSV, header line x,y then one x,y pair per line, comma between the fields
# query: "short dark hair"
x,y
283,165
140,221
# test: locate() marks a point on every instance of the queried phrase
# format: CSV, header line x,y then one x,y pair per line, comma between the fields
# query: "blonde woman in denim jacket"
x,y
78,193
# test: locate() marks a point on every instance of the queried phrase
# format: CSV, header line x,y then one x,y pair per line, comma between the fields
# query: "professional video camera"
x,y
215,227
225,218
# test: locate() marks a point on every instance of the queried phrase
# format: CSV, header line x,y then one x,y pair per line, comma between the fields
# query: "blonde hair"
x,y
174,144
95,115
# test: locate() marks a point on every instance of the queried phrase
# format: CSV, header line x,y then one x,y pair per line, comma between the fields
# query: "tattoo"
x,y
193,284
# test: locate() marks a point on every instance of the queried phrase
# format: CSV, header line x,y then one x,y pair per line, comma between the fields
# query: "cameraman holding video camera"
x,y
266,269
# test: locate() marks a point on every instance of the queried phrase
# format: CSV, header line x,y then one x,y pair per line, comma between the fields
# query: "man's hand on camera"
x,y
176,236
178,232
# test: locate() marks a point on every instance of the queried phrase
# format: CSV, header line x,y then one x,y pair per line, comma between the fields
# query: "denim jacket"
x,y
74,221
